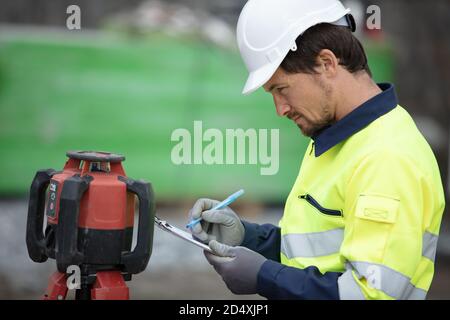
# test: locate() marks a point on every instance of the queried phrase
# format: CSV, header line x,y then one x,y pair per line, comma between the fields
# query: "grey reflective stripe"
x,y
429,245
315,244
389,281
417,294
349,288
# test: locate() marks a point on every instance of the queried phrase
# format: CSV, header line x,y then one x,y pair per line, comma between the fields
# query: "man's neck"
x,y
355,90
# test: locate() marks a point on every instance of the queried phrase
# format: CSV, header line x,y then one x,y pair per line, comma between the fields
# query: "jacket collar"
x,y
356,120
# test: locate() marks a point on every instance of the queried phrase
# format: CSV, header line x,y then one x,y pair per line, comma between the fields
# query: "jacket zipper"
x,y
316,205
312,148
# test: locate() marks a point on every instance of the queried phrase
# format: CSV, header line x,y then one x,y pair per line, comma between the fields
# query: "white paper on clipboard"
x,y
180,233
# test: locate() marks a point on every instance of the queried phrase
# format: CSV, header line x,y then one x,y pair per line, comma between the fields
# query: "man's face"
x,y
304,98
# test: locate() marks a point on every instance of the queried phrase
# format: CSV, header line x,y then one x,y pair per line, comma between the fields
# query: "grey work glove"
x,y
238,266
222,225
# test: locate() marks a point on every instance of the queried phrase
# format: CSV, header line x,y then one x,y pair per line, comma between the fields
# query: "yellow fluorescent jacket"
x,y
368,202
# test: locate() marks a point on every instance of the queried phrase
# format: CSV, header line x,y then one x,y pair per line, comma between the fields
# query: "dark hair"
x,y
339,39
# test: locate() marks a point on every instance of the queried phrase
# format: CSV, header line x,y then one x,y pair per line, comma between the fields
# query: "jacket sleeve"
x,y
264,239
277,281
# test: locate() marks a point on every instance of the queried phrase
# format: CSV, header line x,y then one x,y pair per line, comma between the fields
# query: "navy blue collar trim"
x,y
356,120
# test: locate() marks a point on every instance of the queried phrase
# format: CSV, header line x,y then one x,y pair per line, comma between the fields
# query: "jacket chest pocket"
x,y
313,202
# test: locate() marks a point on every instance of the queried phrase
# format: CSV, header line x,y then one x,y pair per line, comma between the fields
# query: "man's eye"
x,y
282,89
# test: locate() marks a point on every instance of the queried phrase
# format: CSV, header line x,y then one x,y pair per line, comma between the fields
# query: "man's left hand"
x,y
238,266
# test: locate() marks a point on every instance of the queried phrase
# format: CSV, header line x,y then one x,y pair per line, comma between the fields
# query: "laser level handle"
x,y
67,246
35,238
136,261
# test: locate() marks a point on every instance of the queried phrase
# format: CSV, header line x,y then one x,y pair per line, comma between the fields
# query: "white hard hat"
x,y
267,30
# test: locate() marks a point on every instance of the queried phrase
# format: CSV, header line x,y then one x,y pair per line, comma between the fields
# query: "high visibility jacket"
x,y
362,219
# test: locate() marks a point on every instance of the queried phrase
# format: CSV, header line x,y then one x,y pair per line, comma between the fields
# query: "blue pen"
x,y
220,205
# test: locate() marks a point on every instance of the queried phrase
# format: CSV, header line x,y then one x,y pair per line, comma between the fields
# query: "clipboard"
x,y
163,225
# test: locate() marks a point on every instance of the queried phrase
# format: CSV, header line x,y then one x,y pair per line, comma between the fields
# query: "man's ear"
x,y
327,63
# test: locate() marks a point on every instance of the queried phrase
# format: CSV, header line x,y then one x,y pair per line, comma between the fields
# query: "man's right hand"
x,y
222,225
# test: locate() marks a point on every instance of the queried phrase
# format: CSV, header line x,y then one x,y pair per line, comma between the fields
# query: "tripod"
x,y
107,285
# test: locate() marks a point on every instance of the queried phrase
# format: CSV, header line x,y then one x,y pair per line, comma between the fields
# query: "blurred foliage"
x,y
127,95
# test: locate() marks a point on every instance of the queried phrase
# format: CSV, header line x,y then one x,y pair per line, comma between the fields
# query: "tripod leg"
x,y
110,285
57,287
84,293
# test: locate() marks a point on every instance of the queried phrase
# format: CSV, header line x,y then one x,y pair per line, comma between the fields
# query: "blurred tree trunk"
x,y
420,37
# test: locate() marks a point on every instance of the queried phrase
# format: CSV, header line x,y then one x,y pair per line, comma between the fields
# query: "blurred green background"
x,y
127,95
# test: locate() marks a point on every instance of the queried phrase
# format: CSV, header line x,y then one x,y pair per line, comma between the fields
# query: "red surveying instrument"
x,y
89,210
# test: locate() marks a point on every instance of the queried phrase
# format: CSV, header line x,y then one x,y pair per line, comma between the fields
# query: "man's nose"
x,y
282,107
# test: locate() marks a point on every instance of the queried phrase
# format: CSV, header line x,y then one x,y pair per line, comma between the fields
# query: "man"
x,y
363,217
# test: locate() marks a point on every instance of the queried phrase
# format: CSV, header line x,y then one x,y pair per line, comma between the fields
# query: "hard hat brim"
x,y
259,77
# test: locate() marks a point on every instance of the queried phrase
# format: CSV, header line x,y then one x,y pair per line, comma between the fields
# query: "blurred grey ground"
x,y
177,269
